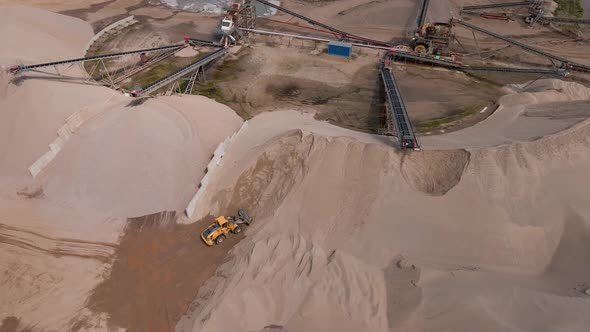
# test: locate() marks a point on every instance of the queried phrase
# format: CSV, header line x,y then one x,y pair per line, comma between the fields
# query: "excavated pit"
x,y
434,172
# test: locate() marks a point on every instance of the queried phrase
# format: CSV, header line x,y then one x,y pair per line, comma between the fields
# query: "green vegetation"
x,y
154,73
570,8
210,90
449,120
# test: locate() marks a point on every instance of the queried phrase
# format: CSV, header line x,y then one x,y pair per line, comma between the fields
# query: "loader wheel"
x,y
420,49
238,230
220,239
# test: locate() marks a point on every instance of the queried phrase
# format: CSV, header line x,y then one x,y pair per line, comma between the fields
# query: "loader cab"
x,y
211,229
221,221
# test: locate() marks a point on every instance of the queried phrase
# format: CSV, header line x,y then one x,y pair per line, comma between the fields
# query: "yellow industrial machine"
x,y
432,38
217,231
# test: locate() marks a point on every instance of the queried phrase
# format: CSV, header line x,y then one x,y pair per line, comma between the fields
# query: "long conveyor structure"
x,y
202,42
565,62
22,68
423,11
564,20
397,111
538,71
500,5
397,55
175,76
340,33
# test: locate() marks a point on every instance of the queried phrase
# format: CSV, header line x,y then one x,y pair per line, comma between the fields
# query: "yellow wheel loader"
x,y
217,231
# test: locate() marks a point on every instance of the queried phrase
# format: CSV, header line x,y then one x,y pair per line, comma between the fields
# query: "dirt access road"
x,y
159,269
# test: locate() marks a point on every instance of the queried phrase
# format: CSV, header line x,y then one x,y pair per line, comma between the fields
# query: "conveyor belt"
x,y
423,11
564,20
454,65
203,42
565,62
343,34
424,58
21,68
539,71
398,112
499,5
179,73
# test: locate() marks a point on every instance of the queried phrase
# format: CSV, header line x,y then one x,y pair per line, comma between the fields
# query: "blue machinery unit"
x,y
340,48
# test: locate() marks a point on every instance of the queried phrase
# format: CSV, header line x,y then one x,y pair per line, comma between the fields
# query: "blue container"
x,y
340,48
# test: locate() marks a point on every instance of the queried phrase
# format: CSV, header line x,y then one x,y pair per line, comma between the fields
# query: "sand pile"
x,y
351,236
36,105
132,161
58,231
30,34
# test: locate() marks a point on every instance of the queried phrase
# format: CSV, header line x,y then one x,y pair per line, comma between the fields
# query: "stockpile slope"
x,y
353,236
59,231
36,105
138,160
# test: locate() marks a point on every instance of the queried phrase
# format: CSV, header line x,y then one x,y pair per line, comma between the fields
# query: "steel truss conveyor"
x,y
397,111
564,20
22,68
397,55
423,11
340,33
550,72
175,76
202,42
500,5
567,64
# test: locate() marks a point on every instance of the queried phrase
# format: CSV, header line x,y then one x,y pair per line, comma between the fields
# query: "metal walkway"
x,y
342,34
21,68
499,5
162,82
397,111
565,62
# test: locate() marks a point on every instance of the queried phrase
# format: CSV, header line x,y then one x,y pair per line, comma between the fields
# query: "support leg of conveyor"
x,y
109,76
476,44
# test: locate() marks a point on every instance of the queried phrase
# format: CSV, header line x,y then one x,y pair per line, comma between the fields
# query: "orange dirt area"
x,y
159,268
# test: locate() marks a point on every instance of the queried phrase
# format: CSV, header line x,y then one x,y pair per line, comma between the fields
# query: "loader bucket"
x,y
243,215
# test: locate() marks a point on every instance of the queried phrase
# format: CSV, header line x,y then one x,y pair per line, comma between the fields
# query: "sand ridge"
x,y
511,234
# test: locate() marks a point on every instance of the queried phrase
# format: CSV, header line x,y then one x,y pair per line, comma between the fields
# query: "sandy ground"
x,y
59,232
488,226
